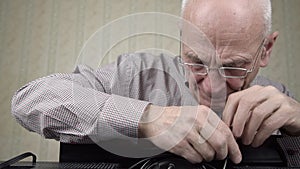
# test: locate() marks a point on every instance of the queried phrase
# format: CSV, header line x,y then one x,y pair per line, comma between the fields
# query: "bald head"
x,y
238,16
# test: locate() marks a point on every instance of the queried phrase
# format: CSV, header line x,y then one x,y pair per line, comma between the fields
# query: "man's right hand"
x,y
193,132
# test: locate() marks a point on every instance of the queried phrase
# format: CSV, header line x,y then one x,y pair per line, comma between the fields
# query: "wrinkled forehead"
x,y
226,48
196,41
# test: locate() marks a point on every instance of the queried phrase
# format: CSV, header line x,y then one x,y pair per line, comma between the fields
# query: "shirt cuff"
x,y
120,117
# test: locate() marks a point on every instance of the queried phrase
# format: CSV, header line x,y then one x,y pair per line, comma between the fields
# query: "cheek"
x,y
235,84
195,79
194,82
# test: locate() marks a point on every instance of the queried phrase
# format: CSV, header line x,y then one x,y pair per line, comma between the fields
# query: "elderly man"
x,y
232,102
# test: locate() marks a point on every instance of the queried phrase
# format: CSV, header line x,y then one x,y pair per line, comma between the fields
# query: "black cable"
x,y
145,163
139,162
18,158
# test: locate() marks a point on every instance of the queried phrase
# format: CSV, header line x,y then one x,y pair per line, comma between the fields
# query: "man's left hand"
x,y
255,113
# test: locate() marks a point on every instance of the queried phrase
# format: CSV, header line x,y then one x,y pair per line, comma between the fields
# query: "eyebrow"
x,y
236,61
193,57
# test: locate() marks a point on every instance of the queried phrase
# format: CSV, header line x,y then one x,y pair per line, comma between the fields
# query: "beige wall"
x,y
39,37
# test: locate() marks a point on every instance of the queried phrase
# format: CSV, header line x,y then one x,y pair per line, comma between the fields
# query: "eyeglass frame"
x,y
247,71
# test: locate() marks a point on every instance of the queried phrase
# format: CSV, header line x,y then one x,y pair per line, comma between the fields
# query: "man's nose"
x,y
215,82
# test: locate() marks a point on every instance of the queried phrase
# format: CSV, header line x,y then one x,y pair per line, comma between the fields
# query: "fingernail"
x,y
255,145
238,159
236,134
246,142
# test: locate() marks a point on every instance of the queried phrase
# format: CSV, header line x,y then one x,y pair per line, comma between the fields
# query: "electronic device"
x,y
277,152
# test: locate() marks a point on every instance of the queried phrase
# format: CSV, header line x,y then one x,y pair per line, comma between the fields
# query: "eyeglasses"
x,y
226,72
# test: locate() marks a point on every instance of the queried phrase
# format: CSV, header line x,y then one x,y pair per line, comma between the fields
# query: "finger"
x,y
209,127
205,149
219,143
224,143
232,104
234,151
192,155
269,125
232,147
185,150
245,108
259,114
210,136
230,108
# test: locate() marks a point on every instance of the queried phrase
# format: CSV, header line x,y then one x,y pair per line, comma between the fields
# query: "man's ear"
x,y
265,57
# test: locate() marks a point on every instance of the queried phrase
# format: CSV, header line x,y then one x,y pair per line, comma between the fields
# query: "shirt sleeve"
x,y
80,106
